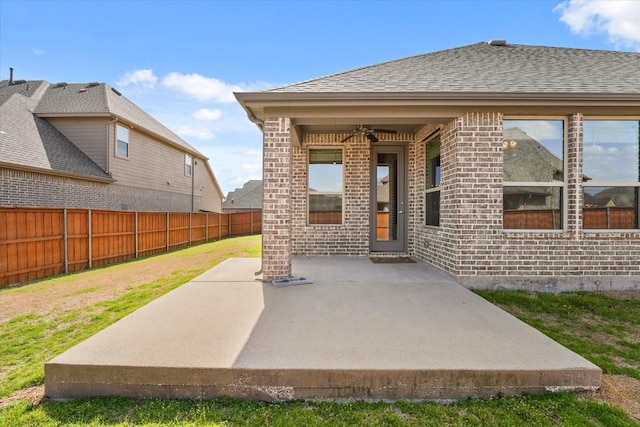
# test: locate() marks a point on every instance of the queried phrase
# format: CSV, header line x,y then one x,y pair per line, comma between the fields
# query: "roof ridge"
x,y
247,193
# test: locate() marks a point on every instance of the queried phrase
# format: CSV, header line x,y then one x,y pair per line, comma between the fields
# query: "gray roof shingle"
x,y
483,68
101,99
247,197
29,141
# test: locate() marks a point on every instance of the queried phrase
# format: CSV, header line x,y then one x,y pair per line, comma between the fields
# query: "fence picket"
x,y
40,242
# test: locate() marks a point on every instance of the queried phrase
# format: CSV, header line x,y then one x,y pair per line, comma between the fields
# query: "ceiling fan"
x,y
368,132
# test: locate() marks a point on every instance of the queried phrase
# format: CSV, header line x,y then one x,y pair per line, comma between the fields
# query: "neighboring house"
x,y
493,152
245,199
86,145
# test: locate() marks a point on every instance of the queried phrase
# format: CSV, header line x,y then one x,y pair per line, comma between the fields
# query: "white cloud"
x,y
252,167
194,132
38,52
620,19
207,114
200,87
252,153
143,78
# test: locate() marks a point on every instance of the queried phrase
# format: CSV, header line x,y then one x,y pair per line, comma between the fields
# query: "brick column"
x,y
574,175
478,197
276,208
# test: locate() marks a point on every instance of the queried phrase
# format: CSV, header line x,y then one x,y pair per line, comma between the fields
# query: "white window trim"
x,y
188,167
327,147
126,142
564,184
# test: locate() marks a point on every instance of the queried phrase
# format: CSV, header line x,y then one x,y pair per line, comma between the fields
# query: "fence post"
x,y
206,227
66,240
167,232
190,228
136,232
219,226
89,238
251,232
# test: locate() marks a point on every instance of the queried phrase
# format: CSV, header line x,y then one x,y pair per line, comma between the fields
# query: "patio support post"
x,y
276,219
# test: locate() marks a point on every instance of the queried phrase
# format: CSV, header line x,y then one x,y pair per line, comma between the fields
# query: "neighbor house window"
x,y
432,183
188,164
533,174
325,186
122,141
611,174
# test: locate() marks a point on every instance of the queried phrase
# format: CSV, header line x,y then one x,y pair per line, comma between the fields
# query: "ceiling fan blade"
x,y
348,138
384,131
372,137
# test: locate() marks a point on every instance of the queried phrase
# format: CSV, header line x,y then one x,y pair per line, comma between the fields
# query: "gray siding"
x,y
151,164
158,166
88,133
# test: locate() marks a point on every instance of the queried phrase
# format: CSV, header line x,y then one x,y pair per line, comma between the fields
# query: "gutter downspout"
x,y
260,124
108,165
193,177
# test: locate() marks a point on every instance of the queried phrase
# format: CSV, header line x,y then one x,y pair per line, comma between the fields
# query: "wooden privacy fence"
x,y
40,242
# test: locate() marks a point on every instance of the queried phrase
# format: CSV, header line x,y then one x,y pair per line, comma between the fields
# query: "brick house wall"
x,y
470,242
24,188
352,236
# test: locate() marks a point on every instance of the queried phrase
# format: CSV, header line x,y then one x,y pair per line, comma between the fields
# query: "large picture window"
x,y
325,186
432,182
122,141
533,174
611,174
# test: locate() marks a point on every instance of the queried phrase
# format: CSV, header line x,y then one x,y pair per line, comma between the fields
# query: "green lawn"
x,y
601,328
574,319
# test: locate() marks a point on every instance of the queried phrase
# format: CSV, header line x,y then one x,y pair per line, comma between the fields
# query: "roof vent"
x,y
92,84
61,84
498,42
19,82
82,90
116,91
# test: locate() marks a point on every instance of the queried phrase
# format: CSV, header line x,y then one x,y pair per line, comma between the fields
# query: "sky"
x,y
181,61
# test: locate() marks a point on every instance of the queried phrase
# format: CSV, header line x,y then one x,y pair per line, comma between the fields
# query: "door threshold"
x,y
388,254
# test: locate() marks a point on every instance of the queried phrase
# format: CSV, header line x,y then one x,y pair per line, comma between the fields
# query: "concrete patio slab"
x,y
360,331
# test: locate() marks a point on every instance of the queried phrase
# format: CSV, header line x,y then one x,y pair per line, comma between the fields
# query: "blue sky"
x,y
181,60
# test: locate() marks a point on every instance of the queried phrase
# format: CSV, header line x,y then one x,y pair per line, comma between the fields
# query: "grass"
x,y
29,340
561,409
601,328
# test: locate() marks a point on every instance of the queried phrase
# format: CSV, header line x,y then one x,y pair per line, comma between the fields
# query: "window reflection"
x,y
325,186
611,155
533,174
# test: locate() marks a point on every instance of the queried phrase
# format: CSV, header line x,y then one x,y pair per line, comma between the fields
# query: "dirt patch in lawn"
x,y
620,391
33,395
89,287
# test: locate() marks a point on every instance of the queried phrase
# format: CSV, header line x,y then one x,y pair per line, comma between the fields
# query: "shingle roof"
x,y
101,99
29,141
247,197
483,68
